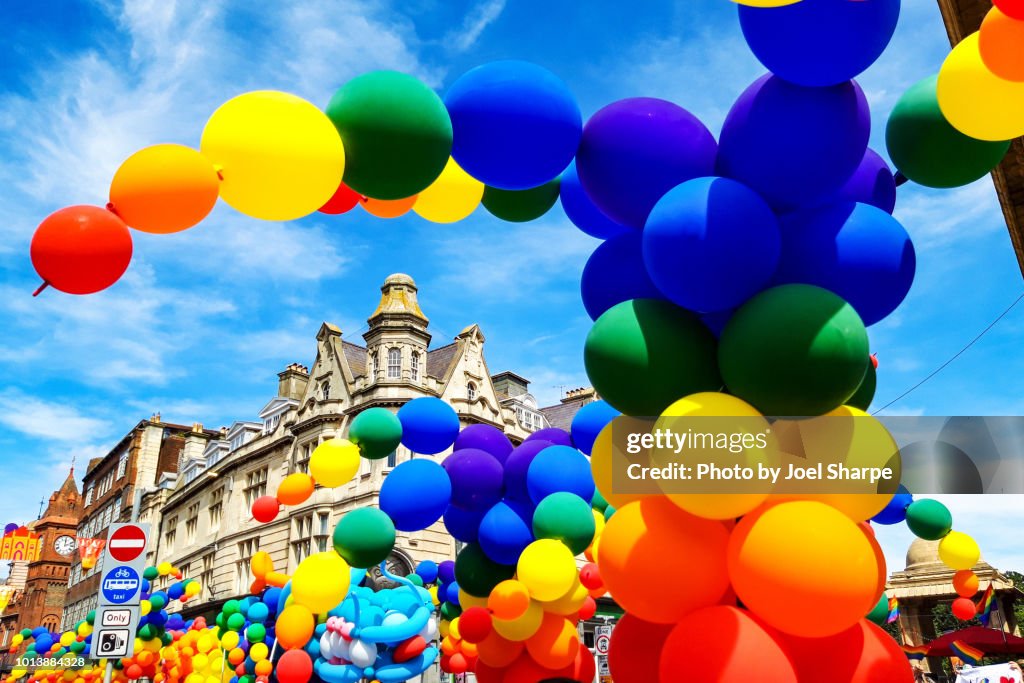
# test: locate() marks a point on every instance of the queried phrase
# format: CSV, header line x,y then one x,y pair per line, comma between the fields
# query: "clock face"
x,y
65,545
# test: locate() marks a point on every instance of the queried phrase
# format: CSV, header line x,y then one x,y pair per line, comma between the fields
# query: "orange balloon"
x,y
295,489
786,556
264,667
388,208
509,600
164,188
497,651
965,583
601,466
633,546
1001,42
294,627
555,643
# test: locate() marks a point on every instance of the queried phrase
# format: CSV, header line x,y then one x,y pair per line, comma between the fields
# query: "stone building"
x,y
111,482
927,582
203,510
40,593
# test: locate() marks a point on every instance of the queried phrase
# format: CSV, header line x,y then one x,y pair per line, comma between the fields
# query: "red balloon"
x,y
861,654
525,670
588,610
409,649
134,671
457,663
964,609
590,576
265,509
475,624
729,644
344,199
81,249
1011,8
295,666
635,650
488,674
582,670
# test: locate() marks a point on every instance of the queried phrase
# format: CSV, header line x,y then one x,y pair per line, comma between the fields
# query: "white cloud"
x,y
932,224
473,25
47,420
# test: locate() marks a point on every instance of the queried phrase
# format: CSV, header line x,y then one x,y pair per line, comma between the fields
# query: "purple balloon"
x,y
10,527
614,273
553,435
446,571
872,183
516,467
580,209
484,438
462,524
477,478
634,151
794,145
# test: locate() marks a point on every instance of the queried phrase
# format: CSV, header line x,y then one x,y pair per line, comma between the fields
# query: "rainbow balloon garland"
x,y
736,277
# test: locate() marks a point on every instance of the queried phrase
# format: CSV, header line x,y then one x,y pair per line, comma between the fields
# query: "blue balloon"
x,y
427,570
819,42
175,591
793,145
271,597
710,244
446,571
477,479
504,535
415,494
452,593
554,435
872,183
462,524
895,511
515,124
588,423
857,251
485,438
258,612
517,466
634,151
559,468
614,273
429,425
581,210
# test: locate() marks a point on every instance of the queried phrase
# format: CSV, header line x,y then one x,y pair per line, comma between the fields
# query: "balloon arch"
x,y
736,277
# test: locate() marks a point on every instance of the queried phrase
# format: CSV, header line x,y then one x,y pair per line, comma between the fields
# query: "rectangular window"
x,y
302,533
414,367
191,523
302,456
394,363
255,485
88,496
206,578
243,568
392,459
122,465
216,510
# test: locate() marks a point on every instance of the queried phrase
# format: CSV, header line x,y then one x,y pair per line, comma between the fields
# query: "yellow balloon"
x,y
547,568
466,600
320,582
442,628
334,462
719,409
520,628
453,630
959,551
18,639
766,3
67,638
280,157
975,101
164,568
453,196
145,607
601,463
230,640
258,652
433,595
570,603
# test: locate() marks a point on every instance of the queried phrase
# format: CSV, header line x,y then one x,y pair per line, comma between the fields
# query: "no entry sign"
x,y
127,543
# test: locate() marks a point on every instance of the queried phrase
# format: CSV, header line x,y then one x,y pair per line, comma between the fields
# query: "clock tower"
x,y
46,586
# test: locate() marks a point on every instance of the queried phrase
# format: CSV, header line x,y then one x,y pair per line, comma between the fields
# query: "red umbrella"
x,y
989,640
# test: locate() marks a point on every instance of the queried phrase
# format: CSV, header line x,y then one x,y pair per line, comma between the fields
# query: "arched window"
x,y
325,388
471,391
415,366
374,364
394,363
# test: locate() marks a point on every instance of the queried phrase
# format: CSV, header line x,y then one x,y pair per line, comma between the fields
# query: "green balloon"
x,y
222,620
90,617
77,646
930,151
396,131
147,632
416,579
364,537
450,610
645,354
520,206
929,519
866,391
880,612
256,633
598,502
231,607
158,601
166,638
794,350
236,622
608,512
150,573
567,518
377,432
27,632
477,574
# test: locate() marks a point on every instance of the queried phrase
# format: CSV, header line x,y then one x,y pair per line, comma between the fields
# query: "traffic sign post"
x,y
117,616
602,642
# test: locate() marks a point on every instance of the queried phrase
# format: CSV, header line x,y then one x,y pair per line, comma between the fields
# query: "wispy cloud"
x,y
476,21
47,420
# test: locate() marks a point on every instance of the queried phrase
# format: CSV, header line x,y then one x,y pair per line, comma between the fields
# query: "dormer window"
x,y
394,363
471,391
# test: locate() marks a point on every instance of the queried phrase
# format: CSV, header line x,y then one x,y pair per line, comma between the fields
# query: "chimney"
x,y
580,395
195,444
293,381
155,419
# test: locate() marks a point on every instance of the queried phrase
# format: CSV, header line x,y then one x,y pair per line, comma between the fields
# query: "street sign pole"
x,y
117,614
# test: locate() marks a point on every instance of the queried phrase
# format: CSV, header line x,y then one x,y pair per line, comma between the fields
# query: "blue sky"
x,y
203,320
